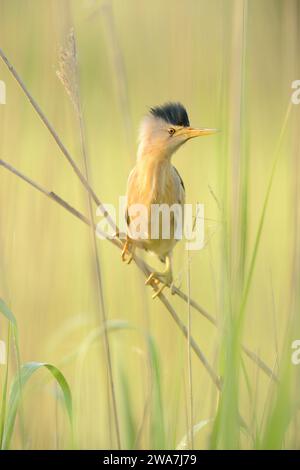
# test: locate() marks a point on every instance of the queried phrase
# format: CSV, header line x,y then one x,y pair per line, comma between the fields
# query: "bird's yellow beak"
x,y
190,132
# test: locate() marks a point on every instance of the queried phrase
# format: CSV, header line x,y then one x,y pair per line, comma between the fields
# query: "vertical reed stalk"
x,y
69,76
189,357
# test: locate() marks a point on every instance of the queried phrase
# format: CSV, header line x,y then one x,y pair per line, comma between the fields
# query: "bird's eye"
x,y
171,131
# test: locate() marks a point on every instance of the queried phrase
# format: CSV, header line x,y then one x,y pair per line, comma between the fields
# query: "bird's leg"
x,y
128,249
165,278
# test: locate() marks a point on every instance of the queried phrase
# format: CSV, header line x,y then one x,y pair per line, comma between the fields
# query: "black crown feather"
x,y
173,113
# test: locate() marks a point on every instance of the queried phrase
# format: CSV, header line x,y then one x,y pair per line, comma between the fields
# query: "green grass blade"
x,y
22,378
7,313
282,409
4,392
128,412
226,429
263,214
93,336
5,310
157,414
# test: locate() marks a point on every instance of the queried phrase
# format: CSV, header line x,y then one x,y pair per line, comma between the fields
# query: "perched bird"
x,y
154,180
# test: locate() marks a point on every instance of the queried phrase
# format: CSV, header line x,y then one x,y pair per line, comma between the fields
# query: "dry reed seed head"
x,y
67,72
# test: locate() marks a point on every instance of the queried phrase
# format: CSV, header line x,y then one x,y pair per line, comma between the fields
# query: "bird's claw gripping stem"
x,y
126,252
154,281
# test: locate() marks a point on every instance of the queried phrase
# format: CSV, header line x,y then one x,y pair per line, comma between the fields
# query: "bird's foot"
x,y
159,281
173,288
175,285
127,255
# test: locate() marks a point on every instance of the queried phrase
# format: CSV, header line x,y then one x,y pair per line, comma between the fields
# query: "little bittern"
x,y
154,180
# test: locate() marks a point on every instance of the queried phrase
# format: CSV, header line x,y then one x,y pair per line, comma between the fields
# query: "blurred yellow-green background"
x,y
232,64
